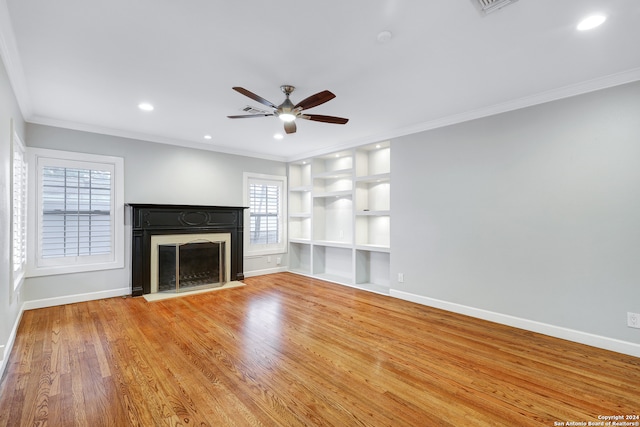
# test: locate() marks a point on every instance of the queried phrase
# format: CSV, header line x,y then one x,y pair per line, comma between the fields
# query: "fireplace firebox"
x,y
185,247
189,266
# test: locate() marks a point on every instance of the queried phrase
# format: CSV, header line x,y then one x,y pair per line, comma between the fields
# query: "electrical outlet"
x,y
278,260
400,277
633,320
269,259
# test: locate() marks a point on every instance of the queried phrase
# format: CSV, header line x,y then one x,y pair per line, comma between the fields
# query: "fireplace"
x,y
178,247
185,262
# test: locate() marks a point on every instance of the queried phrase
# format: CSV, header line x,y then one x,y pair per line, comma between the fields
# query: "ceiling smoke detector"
x,y
488,6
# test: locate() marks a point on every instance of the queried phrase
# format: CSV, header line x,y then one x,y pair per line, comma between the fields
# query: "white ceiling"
x,y
88,64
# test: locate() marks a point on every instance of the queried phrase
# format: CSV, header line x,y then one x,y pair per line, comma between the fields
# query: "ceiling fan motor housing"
x,y
287,111
287,89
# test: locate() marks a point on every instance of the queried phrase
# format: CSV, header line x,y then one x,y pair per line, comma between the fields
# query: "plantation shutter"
x,y
264,204
76,212
19,243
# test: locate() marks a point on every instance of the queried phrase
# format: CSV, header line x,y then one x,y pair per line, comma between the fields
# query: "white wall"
x,y
10,304
154,173
533,214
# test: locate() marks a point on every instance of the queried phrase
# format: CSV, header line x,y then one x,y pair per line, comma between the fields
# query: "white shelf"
x,y
299,240
341,193
374,248
300,215
340,215
301,188
332,244
383,177
373,213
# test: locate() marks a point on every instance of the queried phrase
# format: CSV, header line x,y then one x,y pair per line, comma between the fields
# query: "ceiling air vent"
x,y
488,6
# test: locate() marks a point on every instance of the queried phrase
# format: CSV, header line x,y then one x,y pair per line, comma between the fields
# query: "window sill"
x,y
71,269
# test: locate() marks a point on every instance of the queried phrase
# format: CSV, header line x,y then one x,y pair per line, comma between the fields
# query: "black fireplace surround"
x,y
150,219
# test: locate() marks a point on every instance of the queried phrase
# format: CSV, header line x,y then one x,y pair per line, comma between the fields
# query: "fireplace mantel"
x,y
151,219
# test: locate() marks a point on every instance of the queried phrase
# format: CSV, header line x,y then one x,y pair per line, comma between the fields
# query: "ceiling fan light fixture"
x,y
287,117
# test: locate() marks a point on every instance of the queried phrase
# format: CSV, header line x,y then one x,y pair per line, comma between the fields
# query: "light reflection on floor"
x,y
262,328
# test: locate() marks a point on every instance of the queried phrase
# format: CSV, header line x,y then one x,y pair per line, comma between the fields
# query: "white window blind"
x,y
76,212
19,211
264,213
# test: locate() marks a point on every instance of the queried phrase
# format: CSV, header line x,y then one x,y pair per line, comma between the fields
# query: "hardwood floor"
x,y
286,350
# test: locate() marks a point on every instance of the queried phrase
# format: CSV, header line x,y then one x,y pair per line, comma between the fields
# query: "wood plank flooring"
x,y
287,350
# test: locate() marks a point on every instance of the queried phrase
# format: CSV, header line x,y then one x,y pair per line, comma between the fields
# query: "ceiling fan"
x,y
288,112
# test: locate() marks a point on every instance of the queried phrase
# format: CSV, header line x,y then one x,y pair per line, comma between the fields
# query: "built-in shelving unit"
x,y
339,217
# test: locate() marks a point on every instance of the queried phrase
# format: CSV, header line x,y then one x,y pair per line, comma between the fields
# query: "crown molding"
x,y
46,121
568,91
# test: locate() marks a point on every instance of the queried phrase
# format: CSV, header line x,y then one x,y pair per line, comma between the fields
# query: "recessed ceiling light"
x,y
207,137
145,106
278,136
591,22
384,36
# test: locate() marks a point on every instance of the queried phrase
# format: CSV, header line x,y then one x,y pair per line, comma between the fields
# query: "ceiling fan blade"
x,y
324,119
290,127
315,100
250,116
254,96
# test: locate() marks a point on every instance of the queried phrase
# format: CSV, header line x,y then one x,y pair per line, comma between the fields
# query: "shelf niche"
x,y
340,217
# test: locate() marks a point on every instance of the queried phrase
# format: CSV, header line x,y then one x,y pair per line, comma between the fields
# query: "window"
x,y
19,211
79,212
266,197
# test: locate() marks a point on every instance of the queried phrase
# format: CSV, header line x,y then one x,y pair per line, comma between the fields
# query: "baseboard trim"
x,y
593,340
265,271
9,344
71,299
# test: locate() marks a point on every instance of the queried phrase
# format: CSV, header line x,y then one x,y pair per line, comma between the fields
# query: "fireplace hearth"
x,y
184,247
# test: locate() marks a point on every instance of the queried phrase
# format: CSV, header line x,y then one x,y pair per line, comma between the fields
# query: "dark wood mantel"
x,y
151,219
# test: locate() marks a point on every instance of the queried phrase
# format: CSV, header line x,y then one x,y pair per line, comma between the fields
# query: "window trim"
x,y
267,249
38,159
